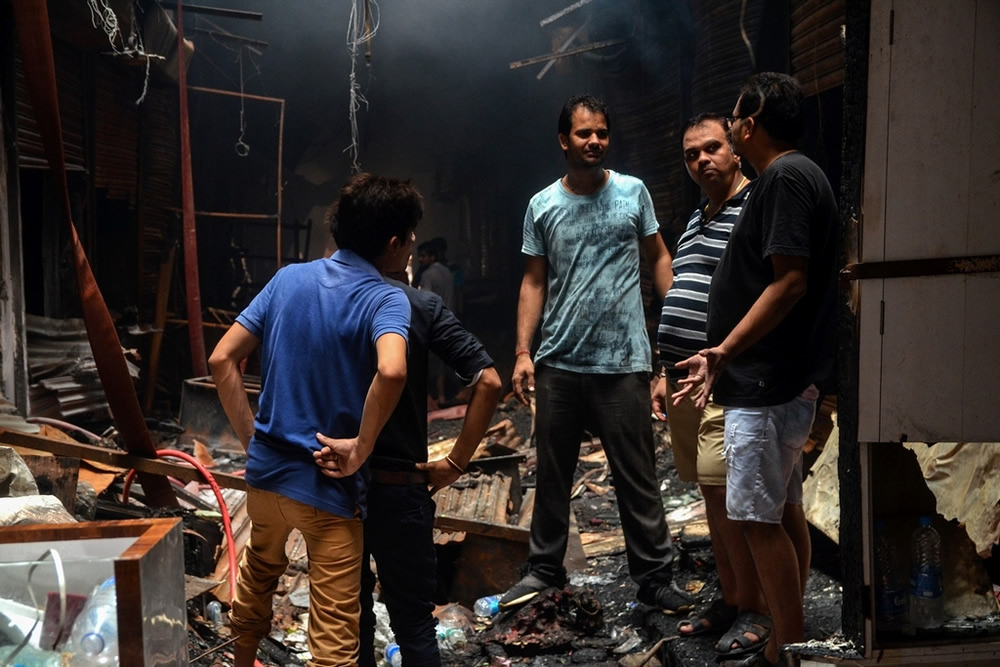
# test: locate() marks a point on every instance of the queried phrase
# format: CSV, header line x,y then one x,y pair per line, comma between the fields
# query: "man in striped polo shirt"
x,y
696,436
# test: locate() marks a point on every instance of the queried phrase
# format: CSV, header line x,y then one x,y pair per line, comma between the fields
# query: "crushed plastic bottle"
x,y
449,636
392,655
926,591
488,606
94,637
890,588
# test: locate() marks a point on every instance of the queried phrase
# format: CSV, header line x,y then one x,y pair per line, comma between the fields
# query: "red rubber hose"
x,y
227,526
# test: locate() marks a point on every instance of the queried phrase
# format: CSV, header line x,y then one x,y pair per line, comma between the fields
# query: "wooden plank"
x,y
930,132
984,176
181,471
979,372
458,523
603,544
872,233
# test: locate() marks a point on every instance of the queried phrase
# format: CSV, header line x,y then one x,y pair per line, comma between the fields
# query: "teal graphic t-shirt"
x,y
593,319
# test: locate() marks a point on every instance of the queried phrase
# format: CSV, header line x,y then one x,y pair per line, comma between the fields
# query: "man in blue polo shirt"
x,y
333,340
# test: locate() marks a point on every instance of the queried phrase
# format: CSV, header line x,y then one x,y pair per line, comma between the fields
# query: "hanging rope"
x,y
746,39
103,18
242,148
361,28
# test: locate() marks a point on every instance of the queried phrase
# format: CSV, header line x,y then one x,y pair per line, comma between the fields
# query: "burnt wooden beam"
x,y
485,528
593,46
118,459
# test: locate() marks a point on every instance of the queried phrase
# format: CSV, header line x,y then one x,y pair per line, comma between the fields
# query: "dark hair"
x,y
428,248
707,117
442,246
775,101
371,210
588,102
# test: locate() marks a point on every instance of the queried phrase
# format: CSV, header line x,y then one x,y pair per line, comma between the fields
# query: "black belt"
x,y
399,476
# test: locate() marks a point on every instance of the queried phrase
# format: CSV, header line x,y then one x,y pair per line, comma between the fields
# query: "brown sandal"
x,y
717,617
748,621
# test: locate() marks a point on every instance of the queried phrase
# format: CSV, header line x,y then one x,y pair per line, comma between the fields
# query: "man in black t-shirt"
x,y
399,526
400,523
771,336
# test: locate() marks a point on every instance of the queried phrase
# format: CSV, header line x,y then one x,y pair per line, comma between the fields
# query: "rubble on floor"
x,y
595,620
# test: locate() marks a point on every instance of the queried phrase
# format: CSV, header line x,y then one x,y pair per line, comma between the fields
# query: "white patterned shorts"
x,y
764,457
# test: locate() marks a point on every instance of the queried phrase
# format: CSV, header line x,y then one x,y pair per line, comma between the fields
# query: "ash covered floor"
x,y
628,631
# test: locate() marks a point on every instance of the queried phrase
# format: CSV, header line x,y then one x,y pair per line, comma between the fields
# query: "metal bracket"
x,y
909,268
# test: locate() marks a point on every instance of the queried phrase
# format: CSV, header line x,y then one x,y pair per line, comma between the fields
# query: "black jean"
x,y
616,409
399,534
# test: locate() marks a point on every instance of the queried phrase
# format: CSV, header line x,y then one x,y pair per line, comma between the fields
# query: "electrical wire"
x,y
66,426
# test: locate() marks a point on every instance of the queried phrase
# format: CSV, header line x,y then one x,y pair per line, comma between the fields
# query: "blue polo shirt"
x,y
318,323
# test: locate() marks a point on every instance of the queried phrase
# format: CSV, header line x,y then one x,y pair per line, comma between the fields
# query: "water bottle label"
x,y
926,583
891,604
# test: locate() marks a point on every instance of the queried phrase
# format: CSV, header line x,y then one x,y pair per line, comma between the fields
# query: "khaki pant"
x,y
334,546
698,439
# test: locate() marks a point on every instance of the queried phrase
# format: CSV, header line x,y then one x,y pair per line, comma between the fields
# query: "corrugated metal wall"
x,y
70,70
817,47
160,189
721,58
119,129
116,154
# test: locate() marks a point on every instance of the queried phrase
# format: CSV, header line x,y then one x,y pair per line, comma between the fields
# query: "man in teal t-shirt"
x,y
582,238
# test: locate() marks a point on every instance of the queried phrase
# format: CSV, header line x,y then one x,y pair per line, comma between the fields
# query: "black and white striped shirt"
x,y
682,321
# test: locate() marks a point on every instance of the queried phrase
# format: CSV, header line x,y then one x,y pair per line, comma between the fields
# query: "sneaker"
x,y
526,589
667,597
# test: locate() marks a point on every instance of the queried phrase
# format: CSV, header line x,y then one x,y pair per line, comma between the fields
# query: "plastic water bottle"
x,y
449,636
487,606
95,631
926,593
213,613
890,589
392,655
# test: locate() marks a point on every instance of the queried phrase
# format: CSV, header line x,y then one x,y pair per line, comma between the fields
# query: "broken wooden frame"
x,y
119,459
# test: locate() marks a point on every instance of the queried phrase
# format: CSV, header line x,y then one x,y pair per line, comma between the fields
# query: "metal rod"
x,y
231,93
563,12
281,143
571,52
228,214
562,49
231,37
213,650
216,11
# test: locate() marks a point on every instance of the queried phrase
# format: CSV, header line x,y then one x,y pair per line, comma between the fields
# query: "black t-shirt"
x,y
433,329
791,211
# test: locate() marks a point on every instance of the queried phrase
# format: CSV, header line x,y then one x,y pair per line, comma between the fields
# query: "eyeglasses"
x,y
732,119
